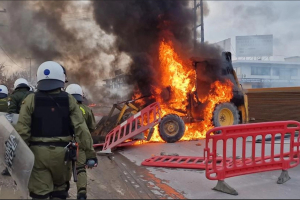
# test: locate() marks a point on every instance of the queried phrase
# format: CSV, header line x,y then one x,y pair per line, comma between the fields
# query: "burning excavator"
x,y
192,101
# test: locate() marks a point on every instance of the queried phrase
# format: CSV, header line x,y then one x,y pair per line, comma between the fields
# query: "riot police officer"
x,y
4,108
3,98
48,120
88,115
21,90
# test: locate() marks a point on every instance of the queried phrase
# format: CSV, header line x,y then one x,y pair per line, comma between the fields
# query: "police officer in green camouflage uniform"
x,y
4,108
3,98
48,120
88,115
21,90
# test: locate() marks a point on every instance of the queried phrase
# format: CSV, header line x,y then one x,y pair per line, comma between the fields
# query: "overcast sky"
x,y
228,19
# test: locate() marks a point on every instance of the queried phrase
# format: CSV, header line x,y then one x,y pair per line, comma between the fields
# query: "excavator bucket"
x,y
104,126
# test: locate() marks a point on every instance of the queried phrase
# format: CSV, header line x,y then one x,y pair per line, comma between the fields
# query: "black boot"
x,y
81,196
5,172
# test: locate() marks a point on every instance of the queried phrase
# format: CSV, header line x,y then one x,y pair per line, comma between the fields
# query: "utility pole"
x,y
202,23
195,24
29,68
195,21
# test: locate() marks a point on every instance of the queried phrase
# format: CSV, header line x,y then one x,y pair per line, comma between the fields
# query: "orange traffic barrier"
x,y
146,119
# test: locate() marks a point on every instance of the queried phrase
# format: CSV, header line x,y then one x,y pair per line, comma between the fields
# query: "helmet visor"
x,y
2,95
78,97
23,85
49,84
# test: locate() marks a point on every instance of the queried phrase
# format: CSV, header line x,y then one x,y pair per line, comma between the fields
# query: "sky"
x,y
228,19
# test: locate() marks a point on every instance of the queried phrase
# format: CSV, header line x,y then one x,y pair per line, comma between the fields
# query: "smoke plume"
x,y
122,32
39,29
140,26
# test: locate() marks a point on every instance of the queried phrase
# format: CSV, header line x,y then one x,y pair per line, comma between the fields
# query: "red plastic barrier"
x,y
98,114
123,144
136,124
187,162
284,160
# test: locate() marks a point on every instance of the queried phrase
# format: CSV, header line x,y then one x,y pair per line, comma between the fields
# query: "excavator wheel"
x,y
171,128
225,114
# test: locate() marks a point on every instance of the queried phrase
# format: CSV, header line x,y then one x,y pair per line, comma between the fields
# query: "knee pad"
x,y
80,170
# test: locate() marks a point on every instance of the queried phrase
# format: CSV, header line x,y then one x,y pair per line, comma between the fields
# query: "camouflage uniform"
x,y
50,176
15,102
16,98
4,108
3,105
81,159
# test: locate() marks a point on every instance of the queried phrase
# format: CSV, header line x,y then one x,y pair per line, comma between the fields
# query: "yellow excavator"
x,y
172,127
229,113
225,114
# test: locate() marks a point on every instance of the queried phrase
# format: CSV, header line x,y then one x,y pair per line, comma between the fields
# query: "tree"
x,y
10,80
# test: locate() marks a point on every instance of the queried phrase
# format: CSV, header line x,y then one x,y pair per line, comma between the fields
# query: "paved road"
x,y
122,177
193,183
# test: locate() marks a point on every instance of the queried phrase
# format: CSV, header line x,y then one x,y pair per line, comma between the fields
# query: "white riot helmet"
x,y
21,83
76,91
3,91
50,76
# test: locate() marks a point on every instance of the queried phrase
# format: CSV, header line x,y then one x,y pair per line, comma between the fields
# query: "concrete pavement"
x,y
193,183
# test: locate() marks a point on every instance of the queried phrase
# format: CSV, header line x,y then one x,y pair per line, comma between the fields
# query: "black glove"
x,y
91,159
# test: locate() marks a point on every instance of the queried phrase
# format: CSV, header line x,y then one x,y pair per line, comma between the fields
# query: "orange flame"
x,y
219,93
180,77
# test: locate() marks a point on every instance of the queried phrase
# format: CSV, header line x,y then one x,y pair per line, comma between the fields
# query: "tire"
x,y
171,128
225,114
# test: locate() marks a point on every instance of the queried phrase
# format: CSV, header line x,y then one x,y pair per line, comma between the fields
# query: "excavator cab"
x,y
225,114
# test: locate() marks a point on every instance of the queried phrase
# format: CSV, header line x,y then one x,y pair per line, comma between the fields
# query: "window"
x,y
261,71
275,71
294,71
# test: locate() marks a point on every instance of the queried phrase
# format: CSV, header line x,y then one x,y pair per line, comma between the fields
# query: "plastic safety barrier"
x,y
123,144
259,158
98,114
187,162
147,118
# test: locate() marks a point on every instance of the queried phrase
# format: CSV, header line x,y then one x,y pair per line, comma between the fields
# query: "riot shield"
x,y
15,155
12,118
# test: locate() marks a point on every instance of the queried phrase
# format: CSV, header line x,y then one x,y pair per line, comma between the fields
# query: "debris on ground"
x,y
168,154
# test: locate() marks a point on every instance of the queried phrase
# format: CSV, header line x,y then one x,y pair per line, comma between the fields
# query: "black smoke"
x,y
139,26
37,29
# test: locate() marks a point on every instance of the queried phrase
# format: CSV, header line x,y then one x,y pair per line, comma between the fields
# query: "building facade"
x,y
118,87
266,74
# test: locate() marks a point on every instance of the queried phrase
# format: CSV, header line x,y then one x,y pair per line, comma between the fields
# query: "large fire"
x,y
180,78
